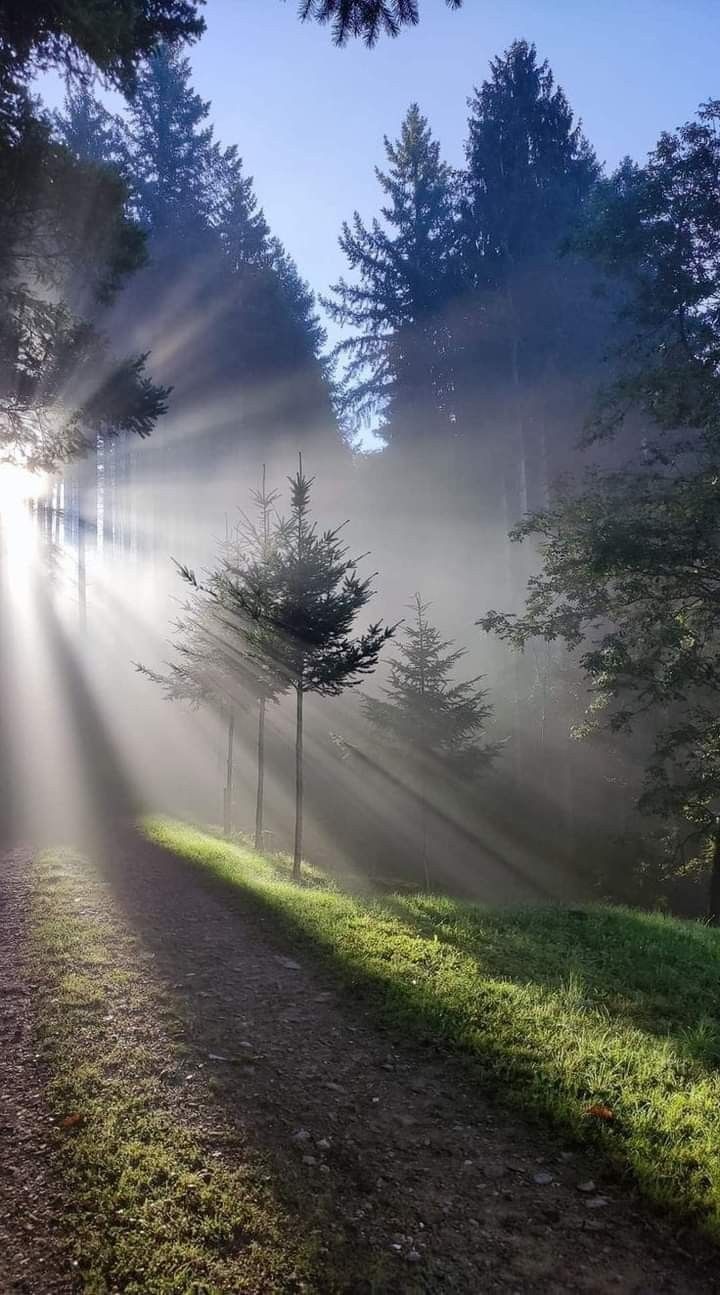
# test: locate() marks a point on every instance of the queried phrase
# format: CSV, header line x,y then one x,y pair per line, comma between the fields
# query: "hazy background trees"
x,y
489,319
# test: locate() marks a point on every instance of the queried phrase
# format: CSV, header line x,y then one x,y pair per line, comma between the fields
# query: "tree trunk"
x,y
298,786
227,798
82,570
424,835
714,898
260,776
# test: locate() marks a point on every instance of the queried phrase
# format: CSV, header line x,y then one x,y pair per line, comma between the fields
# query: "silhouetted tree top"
x,y
87,129
175,164
396,362
529,166
367,19
112,35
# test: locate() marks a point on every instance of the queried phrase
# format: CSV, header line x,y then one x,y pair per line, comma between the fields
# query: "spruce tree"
x,y
529,175
438,725
239,221
398,364
87,129
110,36
174,162
66,247
630,576
367,19
303,602
222,657
257,326
529,169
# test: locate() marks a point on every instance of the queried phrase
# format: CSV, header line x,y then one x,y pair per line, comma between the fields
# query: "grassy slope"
x,y
561,1009
149,1208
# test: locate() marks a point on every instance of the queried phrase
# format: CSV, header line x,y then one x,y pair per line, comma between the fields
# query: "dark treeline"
x,y
484,316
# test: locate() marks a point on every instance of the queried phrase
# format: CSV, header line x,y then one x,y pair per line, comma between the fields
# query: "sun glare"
x,y
17,485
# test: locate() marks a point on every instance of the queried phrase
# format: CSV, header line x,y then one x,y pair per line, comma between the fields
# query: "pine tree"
x,y
257,324
63,229
630,574
303,602
175,165
529,167
223,657
85,126
66,246
239,221
438,725
398,363
367,19
529,175
110,36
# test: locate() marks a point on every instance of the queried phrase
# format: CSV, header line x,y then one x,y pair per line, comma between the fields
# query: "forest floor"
x,y
190,1103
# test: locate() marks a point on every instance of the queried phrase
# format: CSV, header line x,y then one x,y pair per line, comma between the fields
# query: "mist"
x,y
476,370
359,659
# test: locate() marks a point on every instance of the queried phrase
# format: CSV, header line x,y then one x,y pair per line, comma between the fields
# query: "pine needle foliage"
x,y
307,595
630,577
221,654
397,363
424,710
302,602
365,19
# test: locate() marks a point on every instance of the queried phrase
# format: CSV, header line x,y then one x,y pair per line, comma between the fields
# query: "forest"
x,y
386,605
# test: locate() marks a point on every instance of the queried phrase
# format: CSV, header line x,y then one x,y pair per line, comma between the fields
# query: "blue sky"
x,y
309,118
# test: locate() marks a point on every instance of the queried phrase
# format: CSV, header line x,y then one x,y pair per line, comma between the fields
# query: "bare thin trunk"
x,y
297,855
424,834
227,798
714,897
82,570
260,776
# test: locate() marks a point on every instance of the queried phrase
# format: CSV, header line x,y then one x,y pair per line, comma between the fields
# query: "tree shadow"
x,y
634,970
158,886
642,970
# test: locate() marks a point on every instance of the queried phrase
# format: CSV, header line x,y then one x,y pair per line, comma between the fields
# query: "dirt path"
x,y
31,1202
418,1170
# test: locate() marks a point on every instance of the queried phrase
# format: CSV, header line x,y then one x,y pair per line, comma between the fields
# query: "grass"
x,y
604,1020
149,1209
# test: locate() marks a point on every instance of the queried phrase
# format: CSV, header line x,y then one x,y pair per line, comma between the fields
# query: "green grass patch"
x,y
149,1210
561,1010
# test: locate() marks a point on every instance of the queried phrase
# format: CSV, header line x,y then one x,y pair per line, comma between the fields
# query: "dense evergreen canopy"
x,y
399,365
630,563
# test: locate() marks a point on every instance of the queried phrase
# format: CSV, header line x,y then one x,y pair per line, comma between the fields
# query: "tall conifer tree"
x,y
175,163
398,363
529,174
87,128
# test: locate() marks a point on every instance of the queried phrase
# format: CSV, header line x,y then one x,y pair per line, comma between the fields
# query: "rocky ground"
x,y
405,1160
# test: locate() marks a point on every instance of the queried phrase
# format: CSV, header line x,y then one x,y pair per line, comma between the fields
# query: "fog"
x,y
477,343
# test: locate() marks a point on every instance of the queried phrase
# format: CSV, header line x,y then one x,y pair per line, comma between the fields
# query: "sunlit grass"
x,y
561,1010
